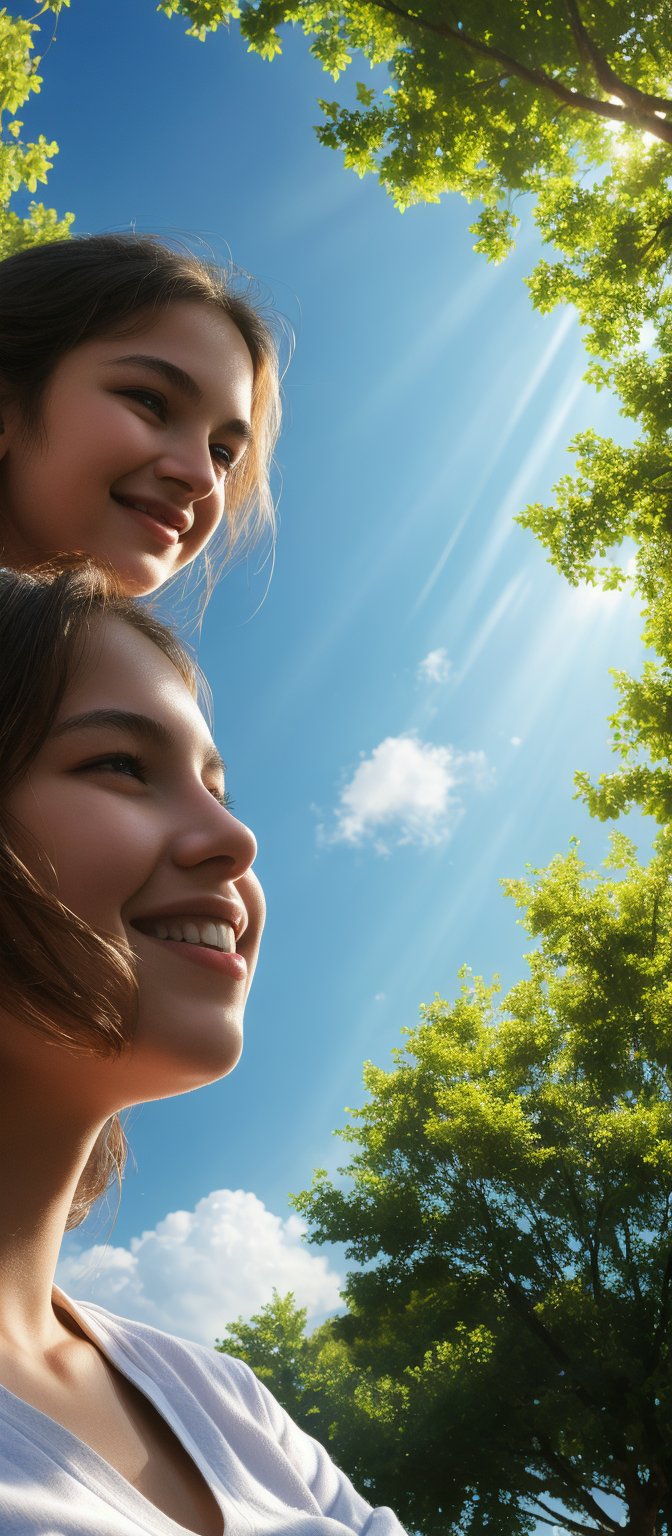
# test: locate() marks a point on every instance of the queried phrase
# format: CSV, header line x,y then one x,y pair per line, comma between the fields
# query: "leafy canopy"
x,y
487,99
483,99
569,104
23,166
569,101
274,1344
505,1356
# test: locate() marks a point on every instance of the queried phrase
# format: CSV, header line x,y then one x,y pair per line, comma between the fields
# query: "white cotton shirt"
x,y
268,1477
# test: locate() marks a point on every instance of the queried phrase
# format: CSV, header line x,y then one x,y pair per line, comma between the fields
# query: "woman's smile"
x,y
206,933
166,523
127,800
136,448
199,952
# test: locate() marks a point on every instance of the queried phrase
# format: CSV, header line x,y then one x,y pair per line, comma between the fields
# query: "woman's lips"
x,y
232,965
162,532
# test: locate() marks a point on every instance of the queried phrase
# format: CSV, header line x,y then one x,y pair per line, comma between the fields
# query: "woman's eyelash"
x,y
132,766
159,406
127,763
154,402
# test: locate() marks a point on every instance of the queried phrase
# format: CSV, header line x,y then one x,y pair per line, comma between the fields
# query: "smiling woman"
x,y
139,408
130,923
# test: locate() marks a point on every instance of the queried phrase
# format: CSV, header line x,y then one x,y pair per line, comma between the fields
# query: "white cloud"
x,y
198,1270
516,741
435,666
406,789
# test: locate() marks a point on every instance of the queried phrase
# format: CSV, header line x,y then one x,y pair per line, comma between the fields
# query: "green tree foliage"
x,y
570,103
23,166
505,1358
318,1382
274,1344
314,1377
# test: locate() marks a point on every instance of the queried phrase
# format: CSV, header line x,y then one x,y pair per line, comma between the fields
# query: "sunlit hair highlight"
x,y
56,296
74,985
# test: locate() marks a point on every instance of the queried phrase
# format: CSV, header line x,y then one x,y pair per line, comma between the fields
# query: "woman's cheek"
x,y
113,841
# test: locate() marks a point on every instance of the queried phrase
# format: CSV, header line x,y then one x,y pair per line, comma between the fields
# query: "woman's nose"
x,y
217,835
188,462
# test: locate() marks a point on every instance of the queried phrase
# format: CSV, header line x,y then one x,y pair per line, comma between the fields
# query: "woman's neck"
x,y
43,1153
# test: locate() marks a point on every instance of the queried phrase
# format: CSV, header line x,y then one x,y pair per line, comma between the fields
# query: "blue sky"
x,y
425,405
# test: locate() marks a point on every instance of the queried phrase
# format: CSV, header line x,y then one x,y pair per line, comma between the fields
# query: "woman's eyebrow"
x,y
185,383
117,720
138,725
177,376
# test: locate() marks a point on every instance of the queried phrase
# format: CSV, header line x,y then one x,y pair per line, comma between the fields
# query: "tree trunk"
x,y
644,1511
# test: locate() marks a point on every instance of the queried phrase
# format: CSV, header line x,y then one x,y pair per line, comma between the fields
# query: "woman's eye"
x,y
222,454
149,398
223,798
126,764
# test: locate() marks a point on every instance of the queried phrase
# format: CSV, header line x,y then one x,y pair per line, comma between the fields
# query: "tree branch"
x,y
635,117
654,923
540,1231
630,1262
569,1524
601,68
663,1316
572,1481
520,1304
591,1240
542,1518
586,48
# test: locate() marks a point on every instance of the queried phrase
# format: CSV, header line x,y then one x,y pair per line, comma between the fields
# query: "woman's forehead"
x,y
123,669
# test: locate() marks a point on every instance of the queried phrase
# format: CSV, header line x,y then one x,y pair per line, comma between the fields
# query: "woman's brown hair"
x,y
56,296
58,975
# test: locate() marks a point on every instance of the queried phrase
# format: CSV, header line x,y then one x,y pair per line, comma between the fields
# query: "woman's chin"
x,y
168,1067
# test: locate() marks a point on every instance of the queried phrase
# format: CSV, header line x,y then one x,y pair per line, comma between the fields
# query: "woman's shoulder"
x,y
213,1390
200,1383
161,1353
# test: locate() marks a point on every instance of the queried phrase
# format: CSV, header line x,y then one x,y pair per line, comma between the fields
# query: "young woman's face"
x,y
125,799
139,433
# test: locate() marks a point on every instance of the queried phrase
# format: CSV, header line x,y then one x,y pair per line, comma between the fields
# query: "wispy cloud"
x,y
441,561
406,791
496,447
198,1270
532,466
435,666
559,333
577,622
514,592
459,310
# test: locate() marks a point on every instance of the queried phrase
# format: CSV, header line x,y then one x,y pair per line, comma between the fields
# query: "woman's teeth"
x,y
213,935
